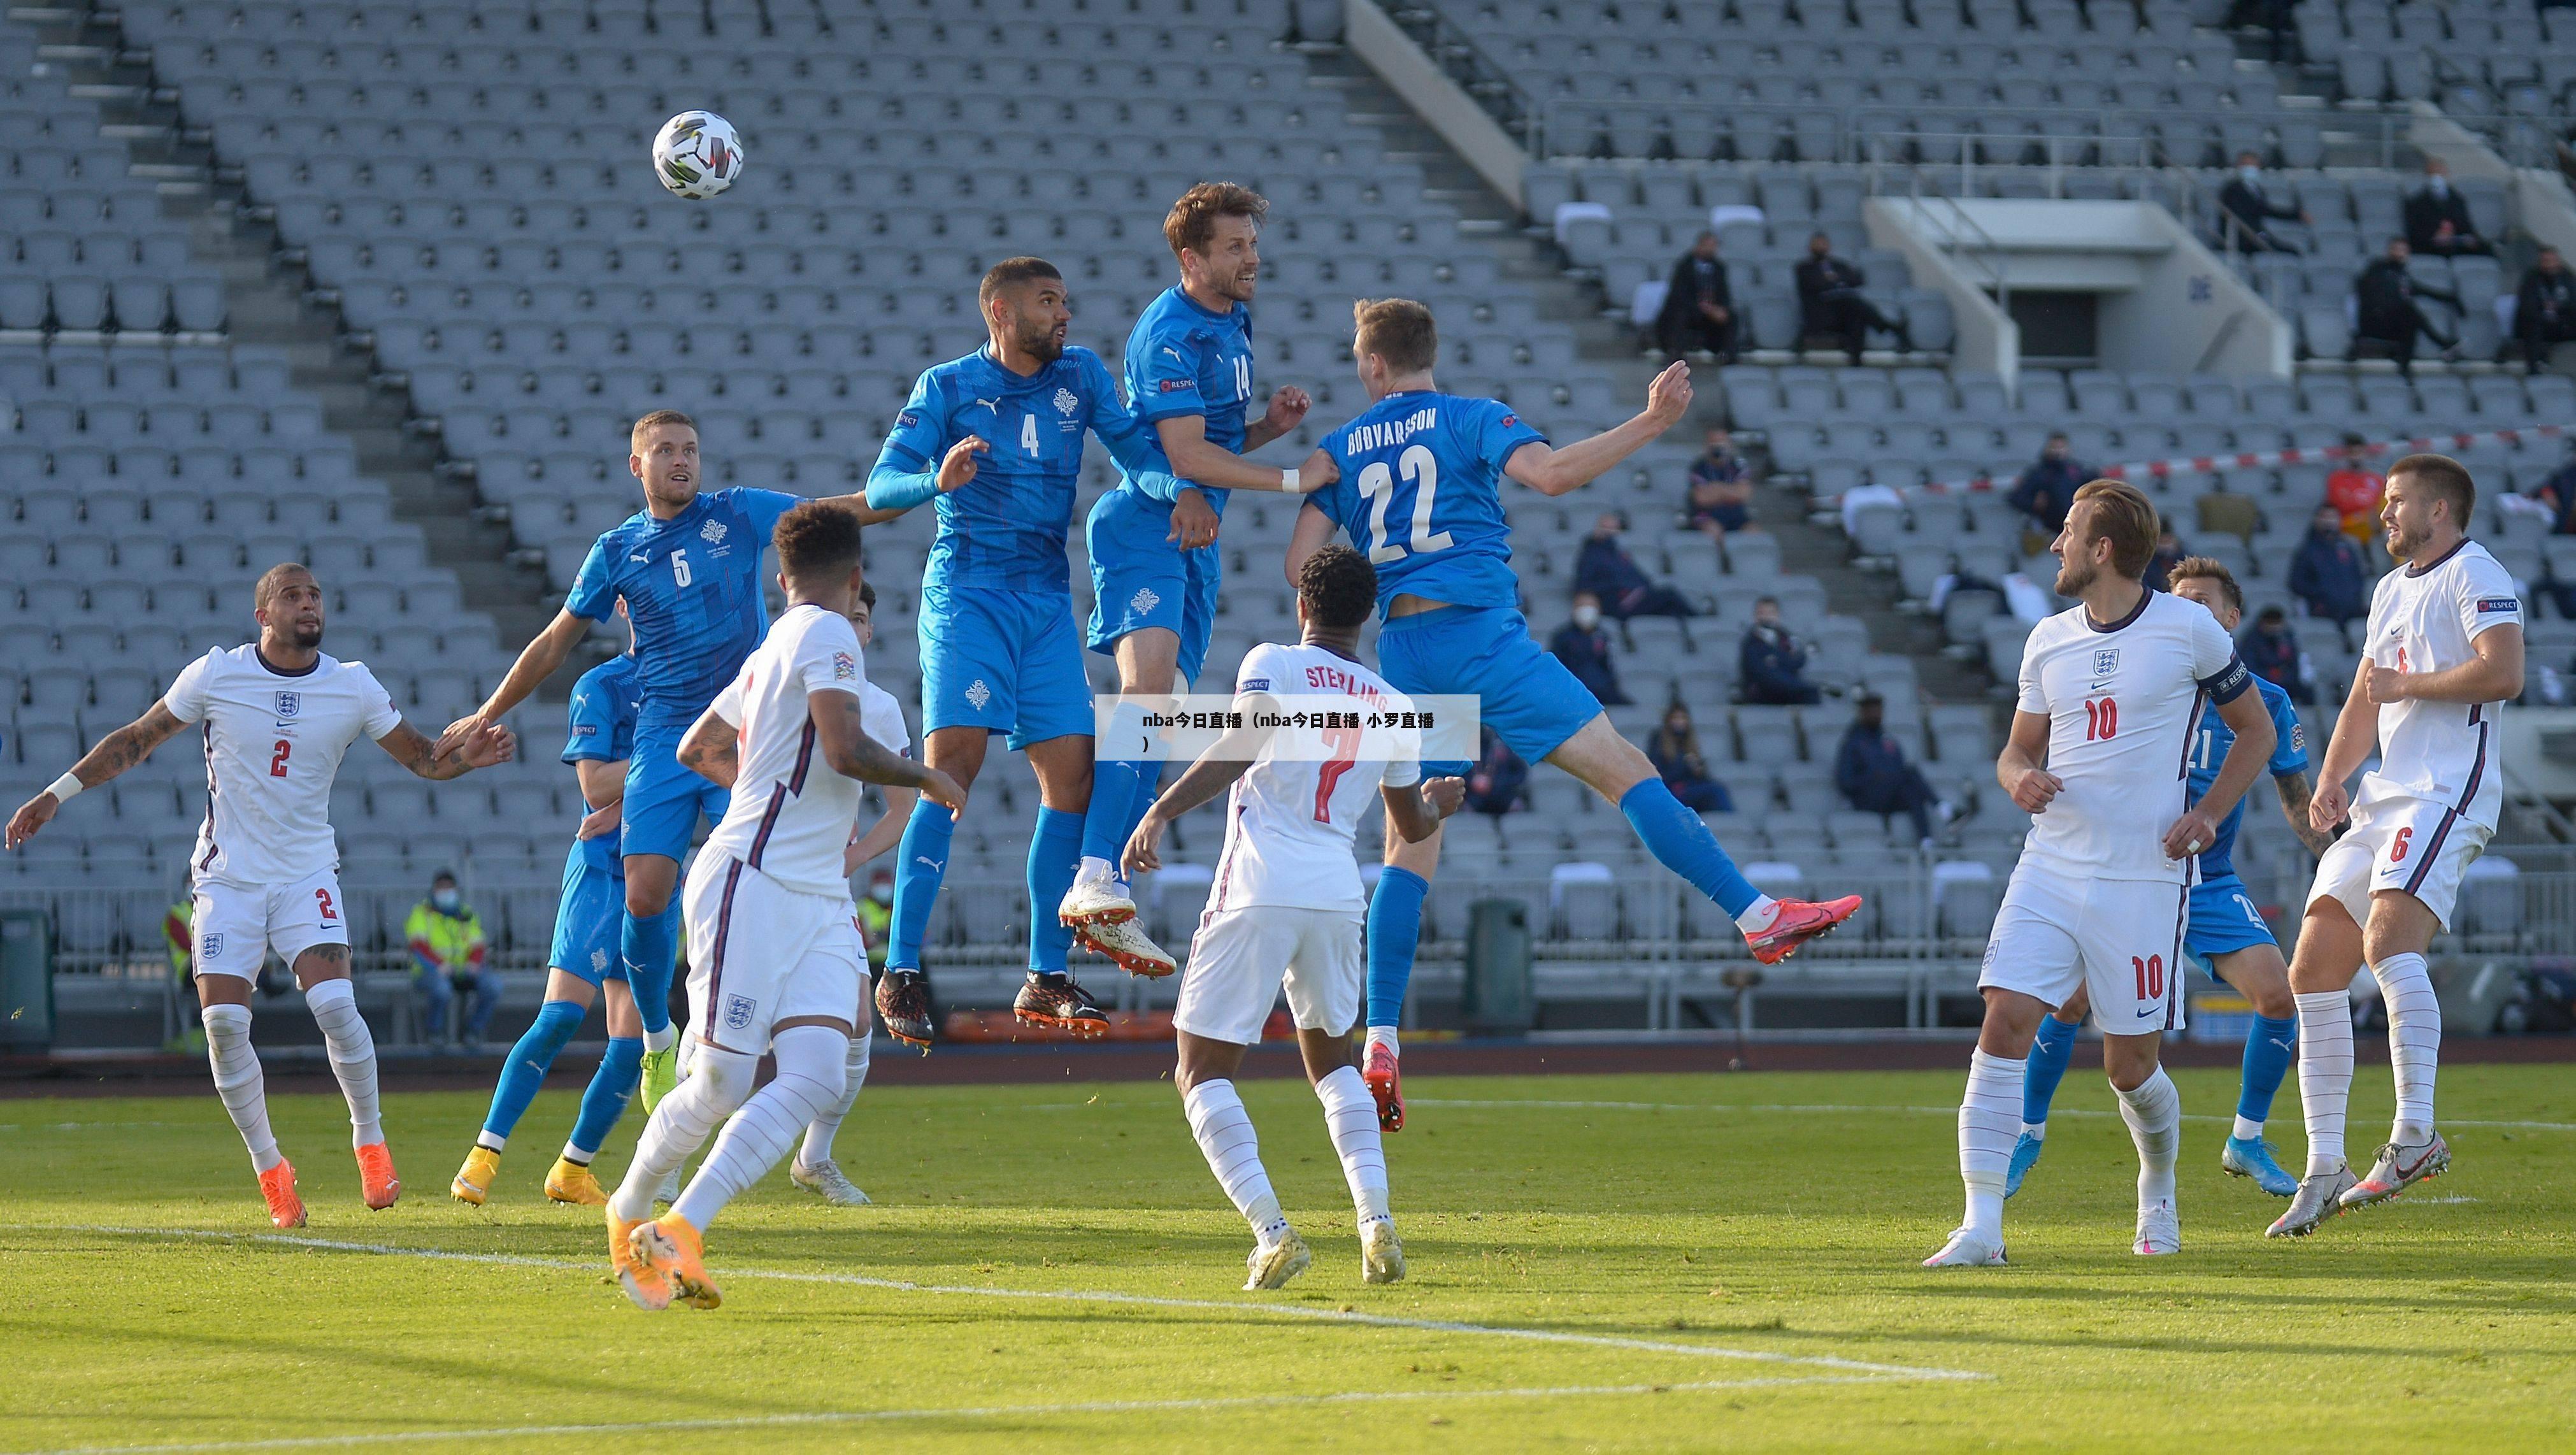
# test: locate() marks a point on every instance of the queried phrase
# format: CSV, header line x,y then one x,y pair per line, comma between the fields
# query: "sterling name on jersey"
x,y
2123,703
1421,492
1289,822
274,741
790,816
692,591
2423,619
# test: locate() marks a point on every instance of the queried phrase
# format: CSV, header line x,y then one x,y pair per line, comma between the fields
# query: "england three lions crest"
x,y
289,703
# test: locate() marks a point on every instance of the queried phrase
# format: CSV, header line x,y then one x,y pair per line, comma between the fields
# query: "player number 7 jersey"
x,y
1290,820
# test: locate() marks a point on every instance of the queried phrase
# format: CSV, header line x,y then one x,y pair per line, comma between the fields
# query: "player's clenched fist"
x,y
1140,855
959,464
1669,397
2035,789
2385,685
1443,795
2328,807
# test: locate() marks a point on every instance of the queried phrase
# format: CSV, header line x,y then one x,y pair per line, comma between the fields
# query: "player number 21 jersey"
x,y
2123,704
274,741
790,815
1290,821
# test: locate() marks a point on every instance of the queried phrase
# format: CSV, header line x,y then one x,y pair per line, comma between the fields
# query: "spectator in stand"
x,y
1830,301
1613,577
2247,208
2354,491
1699,312
2271,651
2385,295
449,959
2045,490
2169,550
2544,309
1674,750
1872,775
1583,645
1494,784
2558,492
1772,667
1721,489
2437,217
2327,573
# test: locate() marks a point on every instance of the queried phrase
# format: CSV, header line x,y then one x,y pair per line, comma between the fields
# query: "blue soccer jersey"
x,y
692,591
1183,359
1420,492
604,702
2209,749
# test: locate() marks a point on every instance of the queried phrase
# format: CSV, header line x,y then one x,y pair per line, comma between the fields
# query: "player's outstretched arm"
x,y
115,753
2493,673
2295,798
1227,759
537,662
2356,734
1417,808
850,752
2244,715
1553,471
2030,785
489,744
1314,531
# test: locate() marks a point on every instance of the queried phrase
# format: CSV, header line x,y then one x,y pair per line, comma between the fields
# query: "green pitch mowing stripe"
x,y
1821,1109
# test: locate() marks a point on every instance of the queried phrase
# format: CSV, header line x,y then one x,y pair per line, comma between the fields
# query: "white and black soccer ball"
x,y
697,155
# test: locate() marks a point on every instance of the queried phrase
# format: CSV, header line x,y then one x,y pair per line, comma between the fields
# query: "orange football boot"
x,y
646,1285
1800,921
376,1177
277,1185
672,1248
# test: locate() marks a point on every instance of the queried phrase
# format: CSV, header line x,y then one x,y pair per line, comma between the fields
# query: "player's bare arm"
x,y
2356,735
853,754
115,753
2494,675
712,749
2019,769
2295,798
605,785
1226,760
2255,739
1287,409
491,743
1314,531
884,834
537,662
1554,471
1416,810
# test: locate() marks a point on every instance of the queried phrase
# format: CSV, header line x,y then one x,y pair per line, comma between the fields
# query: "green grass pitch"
x,y
1710,1261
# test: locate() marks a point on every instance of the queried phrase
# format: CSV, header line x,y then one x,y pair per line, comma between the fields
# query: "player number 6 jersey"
x,y
790,816
2425,621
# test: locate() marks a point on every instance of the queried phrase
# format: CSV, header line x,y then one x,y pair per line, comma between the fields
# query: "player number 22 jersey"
x,y
1420,492
790,816
274,741
1290,821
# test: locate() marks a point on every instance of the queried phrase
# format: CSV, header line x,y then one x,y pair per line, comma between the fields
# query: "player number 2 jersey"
x,y
2424,621
790,815
2123,705
1290,822
274,741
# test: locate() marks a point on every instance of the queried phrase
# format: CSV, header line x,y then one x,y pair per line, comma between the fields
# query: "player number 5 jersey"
x,y
274,741
2123,703
1290,821
790,816
2424,621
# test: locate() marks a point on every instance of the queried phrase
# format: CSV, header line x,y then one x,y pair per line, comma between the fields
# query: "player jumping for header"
x,y
1419,490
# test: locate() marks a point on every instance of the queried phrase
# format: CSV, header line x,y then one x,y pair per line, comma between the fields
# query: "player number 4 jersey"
x,y
2424,621
1290,822
790,815
274,741
2123,703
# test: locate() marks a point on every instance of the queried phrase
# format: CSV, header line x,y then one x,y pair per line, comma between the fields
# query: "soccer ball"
x,y
697,155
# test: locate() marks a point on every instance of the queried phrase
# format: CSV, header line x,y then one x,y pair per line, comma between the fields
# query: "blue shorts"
x,y
1004,661
588,920
1526,695
2224,919
1140,579
663,799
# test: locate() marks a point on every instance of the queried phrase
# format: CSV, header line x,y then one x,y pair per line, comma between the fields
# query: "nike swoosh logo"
x,y
2404,1172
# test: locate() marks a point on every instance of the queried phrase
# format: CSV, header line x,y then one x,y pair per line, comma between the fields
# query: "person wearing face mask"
x,y
448,957
1773,666
1871,772
2386,307
1605,571
2247,208
2437,217
2544,311
1583,645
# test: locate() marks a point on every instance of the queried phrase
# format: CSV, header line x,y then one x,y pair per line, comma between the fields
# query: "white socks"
x,y
239,1080
2154,1115
1989,1120
827,1124
754,1138
1095,870
1350,1113
2325,1074
334,1004
1759,915
718,1081
1233,1153
2414,1042
1385,1036
660,1040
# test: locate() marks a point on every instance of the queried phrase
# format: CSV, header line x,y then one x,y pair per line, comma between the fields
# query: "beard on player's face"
x,y
1040,339
2076,571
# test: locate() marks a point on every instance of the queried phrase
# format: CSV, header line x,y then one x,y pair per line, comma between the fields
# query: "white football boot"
x,y
1103,916
825,1180
2159,1229
1271,1265
1381,1253
2320,1196
2398,1169
1968,1249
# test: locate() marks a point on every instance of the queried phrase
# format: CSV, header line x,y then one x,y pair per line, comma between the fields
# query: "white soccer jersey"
x,y
1289,822
790,816
881,718
274,741
2423,620
2122,703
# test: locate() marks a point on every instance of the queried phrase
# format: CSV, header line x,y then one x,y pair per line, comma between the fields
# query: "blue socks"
x,y
1394,934
2050,1051
2270,1048
525,1071
650,948
1680,841
1119,789
920,863
1054,854
611,1086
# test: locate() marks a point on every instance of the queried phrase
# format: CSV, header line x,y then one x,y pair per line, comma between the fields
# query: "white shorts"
x,y
761,953
2411,844
2120,940
1240,958
238,924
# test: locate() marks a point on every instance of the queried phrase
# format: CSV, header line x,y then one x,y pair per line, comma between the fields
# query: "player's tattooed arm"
x,y
712,749
489,744
2295,797
115,753
853,754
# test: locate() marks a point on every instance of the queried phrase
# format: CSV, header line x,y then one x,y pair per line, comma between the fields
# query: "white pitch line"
x,y
1940,1111
968,1412
1137,1300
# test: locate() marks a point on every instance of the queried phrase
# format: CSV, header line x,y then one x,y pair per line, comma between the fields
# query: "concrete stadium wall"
x,y
1439,101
